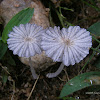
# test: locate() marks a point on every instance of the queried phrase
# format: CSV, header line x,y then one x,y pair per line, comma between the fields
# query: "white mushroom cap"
x,y
25,40
68,45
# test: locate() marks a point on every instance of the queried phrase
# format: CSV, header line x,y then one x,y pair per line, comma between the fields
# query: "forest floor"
x,y
20,81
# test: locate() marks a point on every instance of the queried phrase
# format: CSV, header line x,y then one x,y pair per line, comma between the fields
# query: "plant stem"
x,y
96,8
94,52
32,89
35,76
95,39
51,75
60,18
66,8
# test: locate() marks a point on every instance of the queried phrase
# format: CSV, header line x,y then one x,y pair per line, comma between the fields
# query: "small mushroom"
x,y
68,45
24,41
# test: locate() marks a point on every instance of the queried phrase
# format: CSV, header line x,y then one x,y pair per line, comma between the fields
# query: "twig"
x,y
32,88
12,97
66,74
62,79
10,79
4,69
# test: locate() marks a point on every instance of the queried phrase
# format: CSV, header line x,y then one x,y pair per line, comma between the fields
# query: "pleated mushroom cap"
x,y
24,40
68,45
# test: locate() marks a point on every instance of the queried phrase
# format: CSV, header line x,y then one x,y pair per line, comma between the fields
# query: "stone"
x,y
8,8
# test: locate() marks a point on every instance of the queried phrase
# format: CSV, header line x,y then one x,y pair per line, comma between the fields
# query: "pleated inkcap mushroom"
x,y
24,41
68,45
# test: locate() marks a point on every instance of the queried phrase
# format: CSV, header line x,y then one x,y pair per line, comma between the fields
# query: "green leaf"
x,y
10,60
0,38
95,29
79,82
68,98
3,49
22,17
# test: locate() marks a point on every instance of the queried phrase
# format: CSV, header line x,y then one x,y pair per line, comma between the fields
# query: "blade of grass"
x,y
60,18
66,8
68,24
93,37
94,52
96,8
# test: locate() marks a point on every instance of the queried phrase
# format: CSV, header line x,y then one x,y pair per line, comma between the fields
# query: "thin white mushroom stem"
x,y
35,76
51,75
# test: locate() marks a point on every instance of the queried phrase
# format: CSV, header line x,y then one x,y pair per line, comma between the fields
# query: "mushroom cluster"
x,y
68,45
